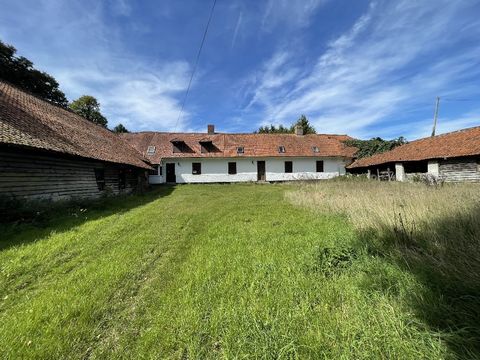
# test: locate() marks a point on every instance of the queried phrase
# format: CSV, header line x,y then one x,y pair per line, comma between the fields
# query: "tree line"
x,y
280,129
19,71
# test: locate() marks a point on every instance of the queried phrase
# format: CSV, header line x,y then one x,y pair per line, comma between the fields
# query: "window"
x,y
315,149
196,168
207,146
288,167
179,146
413,167
155,171
100,178
240,150
281,149
232,168
160,168
151,150
122,179
319,166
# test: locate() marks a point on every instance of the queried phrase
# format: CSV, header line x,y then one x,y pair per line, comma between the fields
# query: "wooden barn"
x,y
47,152
453,157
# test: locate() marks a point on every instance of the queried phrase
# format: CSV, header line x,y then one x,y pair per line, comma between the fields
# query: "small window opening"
x,y
320,166
288,167
196,168
207,146
240,150
281,149
179,146
315,149
122,179
100,178
232,168
155,170
151,150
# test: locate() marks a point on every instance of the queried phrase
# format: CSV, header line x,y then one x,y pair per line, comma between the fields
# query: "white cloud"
x,y
140,99
237,28
88,57
296,13
395,56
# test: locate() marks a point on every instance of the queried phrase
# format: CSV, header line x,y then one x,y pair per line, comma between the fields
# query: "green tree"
x,y
88,107
120,129
302,121
19,71
374,146
305,124
272,129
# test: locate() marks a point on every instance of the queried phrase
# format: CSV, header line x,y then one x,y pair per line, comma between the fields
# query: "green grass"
x,y
212,271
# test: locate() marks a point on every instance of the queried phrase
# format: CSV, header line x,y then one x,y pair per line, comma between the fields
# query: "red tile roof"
x,y
454,144
225,145
26,120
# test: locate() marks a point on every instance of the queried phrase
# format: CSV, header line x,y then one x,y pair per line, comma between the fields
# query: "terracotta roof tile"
x,y
454,144
26,120
255,145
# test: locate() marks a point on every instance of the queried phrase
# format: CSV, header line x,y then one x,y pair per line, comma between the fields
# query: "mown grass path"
x,y
204,271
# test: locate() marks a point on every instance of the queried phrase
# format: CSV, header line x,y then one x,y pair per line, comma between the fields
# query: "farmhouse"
x,y
218,157
51,153
453,156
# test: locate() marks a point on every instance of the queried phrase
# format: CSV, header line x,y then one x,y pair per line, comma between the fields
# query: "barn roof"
x,y
26,120
464,142
254,145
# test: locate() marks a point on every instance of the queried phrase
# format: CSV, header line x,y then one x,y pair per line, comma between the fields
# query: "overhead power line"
x,y
195,64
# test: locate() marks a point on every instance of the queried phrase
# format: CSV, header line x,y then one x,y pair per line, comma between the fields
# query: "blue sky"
x,y
364,68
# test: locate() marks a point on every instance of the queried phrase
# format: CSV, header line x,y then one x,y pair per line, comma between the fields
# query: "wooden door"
x,y
171,178
261,170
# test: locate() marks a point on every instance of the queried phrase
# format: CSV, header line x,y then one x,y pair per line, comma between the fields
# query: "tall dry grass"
x,y
377,204
432,233
435,225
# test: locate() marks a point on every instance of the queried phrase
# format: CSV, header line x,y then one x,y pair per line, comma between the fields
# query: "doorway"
x,y
171,178
261,170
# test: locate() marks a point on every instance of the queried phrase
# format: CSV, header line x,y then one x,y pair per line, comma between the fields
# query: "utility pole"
x,y
435,115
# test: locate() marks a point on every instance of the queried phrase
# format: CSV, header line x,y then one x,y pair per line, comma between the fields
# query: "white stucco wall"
x,y
157,179
216,170
433,168
400,172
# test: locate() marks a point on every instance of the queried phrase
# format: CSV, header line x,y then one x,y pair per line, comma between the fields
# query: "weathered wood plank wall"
x,y
460,169
38,175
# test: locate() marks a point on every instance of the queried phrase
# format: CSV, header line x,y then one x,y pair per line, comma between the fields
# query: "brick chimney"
x,y
210,129
298,130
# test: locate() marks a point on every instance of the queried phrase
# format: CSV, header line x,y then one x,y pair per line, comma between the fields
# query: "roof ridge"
x,y
41,124
465,143
67,109
444,134
227,133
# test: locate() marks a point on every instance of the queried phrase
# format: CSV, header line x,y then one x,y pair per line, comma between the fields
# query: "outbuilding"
x,y
48,152
452,157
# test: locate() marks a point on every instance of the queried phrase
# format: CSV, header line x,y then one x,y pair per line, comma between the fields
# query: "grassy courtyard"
x,y
330,270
